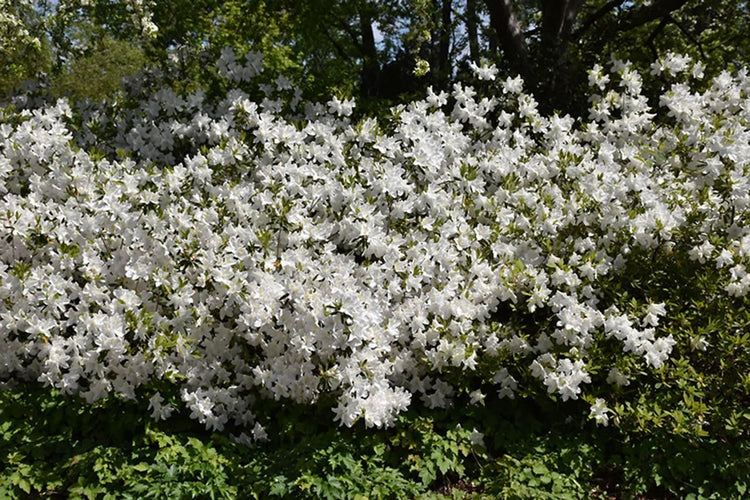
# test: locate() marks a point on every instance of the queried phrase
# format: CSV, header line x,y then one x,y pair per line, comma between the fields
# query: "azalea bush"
x,y
224,252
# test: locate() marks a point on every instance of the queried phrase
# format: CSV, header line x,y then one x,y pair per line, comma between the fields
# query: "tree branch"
x,y
353,35
558,17
337,46
654,34
596,16
647,13
688,35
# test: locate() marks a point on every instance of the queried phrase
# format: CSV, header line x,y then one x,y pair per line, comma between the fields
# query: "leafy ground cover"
x,y
57,447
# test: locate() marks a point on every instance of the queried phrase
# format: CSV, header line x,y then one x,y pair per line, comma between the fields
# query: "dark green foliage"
x,y
54,447
371,49
98,74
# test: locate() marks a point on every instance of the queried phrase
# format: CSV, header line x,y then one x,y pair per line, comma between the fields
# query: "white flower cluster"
x,y
13,30
141,16
235,254
139,11
239,71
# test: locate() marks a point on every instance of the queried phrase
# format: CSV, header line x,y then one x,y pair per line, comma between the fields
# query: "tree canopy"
x,y
381,51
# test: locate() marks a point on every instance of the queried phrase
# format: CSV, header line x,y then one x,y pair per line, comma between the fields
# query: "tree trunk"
x,y
557,80
506,26
558,17
472,20
444,45
370,65
548,69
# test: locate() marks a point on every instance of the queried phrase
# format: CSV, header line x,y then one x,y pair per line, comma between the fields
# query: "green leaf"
x,y
279,486
741,488
540,469
24,484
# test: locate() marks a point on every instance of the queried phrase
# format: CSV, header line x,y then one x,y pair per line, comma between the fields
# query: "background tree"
x,y
367,48
551,43
23,52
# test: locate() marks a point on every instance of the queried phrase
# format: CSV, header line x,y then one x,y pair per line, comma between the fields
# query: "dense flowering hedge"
x,y
220,252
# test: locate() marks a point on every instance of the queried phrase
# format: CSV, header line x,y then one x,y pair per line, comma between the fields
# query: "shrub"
x,y
226,253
